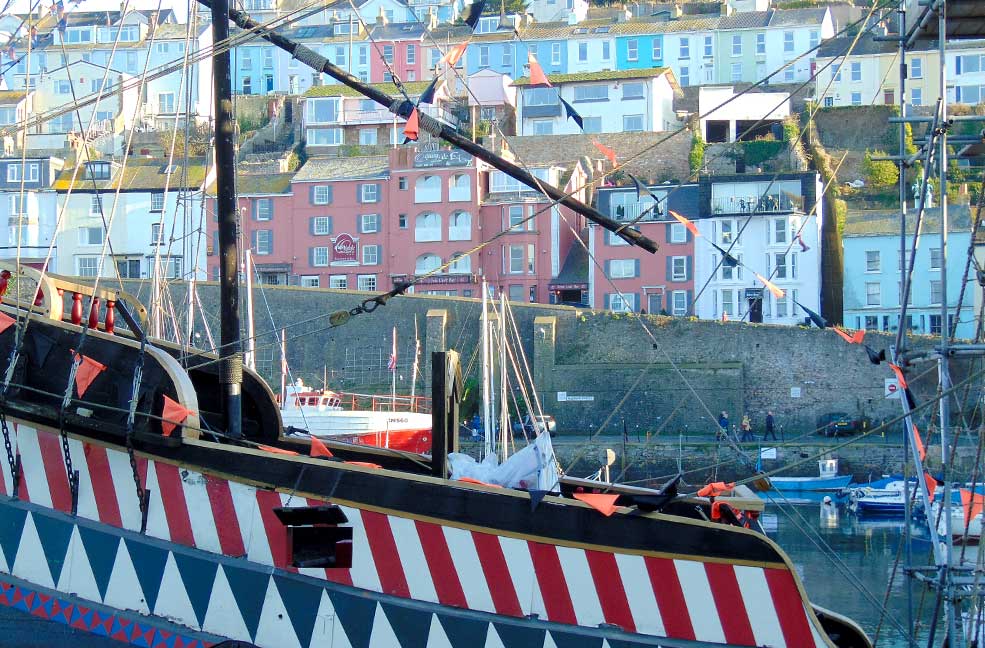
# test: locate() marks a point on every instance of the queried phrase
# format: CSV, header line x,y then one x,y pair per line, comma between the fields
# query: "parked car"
x,y
840,423
529,425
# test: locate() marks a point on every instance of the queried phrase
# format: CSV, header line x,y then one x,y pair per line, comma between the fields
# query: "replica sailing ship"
x,y
158,502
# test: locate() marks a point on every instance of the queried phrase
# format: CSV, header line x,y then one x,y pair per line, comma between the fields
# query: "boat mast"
x,y
393,375
283,368
486,378
251,358
230,342
504,410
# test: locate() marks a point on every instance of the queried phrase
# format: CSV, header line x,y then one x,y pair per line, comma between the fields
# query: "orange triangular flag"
x,y
685,222
537,76
452,56
715,489
173,414
604,503
6,321
919,442
973,504
773,288
844,336
606,151
931,485
899,376
412,127
276,450
318,448
86,373
858,337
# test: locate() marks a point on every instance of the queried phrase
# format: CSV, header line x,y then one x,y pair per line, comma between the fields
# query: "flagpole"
x,y
393,377
486,410
417,353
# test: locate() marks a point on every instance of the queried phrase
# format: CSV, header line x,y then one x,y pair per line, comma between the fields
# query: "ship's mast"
x,y
230,342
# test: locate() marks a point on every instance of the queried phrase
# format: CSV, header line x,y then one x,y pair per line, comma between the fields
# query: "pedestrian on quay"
x,y
476,427
746,429
723,424
770,426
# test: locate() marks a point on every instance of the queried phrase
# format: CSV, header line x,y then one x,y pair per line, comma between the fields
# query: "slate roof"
x,y
575,268
398,31
176,31
886,222
319,169
745,20
867,45
253,184
797,17
578,77
413,88
139,175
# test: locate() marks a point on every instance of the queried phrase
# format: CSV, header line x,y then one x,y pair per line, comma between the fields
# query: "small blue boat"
x,y
882,497
828,480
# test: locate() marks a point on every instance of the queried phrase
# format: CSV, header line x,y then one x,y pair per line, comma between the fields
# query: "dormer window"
x,y
99,170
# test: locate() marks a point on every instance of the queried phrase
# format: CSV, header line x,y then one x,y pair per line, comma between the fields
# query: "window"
x,y
678,268
916,68
427,227
778,227
632,50
363,56
427,189
633,91
322,111
95,204
165,103
582,52
815,38
366,282
594,92
321,195
13,173
730,304
340,282
411,54
268,57
730,273
460,226
402,221
684,51
632,123
685,76
264,209
856,71
936,258
325,137
678,233
388,54
247,85
872,261
540,97
736,72
679,303
460,263
709,47
856,99
873,294
916,96
829,102
543,127
369,223
620,303
427,263
371,254
87,266
515,214
889,97
605,51
459,188
91,235
531,255
369,193
555,53
98,170
787,41
622,268
310,281
592,124
319,256
936,291
736,45
935,324
157,201
514,259
128,268
483,56
264,242
321,225
727,231
760,44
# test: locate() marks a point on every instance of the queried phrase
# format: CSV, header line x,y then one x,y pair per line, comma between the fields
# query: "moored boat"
x,y
828,480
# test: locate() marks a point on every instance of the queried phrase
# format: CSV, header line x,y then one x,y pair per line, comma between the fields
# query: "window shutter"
x,y
215,242
270,239
379,255
957,65
331,222
667,231
688,236
606,266
311,257
688,267
379,192
636,267
690,301
311,225
254,208
331,194
311,195
359,193
636,302
253,241
607,301
670,269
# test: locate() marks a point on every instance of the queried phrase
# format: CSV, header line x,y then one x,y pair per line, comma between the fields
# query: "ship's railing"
x,y
385,403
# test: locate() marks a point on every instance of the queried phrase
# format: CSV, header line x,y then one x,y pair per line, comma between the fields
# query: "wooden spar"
x,y
403,109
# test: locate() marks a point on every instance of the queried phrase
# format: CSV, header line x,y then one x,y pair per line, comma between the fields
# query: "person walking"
x,y
770,426
746,429
723,424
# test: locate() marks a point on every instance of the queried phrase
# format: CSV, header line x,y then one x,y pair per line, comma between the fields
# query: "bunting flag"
x,y
412,127
604,503
819,321
427,97
536,497
800,239
973,504
473,12
728,260
642,189
918,441
773,288
691,227
318,449
843,335
537,76
87,372
931,485
453,55
899,376
715,489
572,113
858,336
874,358
62,25
275,450
173,414
6,321
606,151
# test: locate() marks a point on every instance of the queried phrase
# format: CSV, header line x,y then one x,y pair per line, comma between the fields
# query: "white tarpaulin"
x,y
532,468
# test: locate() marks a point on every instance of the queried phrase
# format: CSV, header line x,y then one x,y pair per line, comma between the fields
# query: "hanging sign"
x,y
892,388
344,249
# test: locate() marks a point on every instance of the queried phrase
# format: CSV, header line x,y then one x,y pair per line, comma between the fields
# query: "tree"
x,y
879,173
197,141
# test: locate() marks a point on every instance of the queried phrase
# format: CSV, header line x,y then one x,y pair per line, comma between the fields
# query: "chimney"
x,y
676,11
381,18
572,19
432,19
726,8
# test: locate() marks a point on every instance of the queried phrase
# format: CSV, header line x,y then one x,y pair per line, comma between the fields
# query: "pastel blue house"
x,y
639,51
872,273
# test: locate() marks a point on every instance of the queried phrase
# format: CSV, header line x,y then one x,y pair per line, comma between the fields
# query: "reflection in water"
x,y
867,549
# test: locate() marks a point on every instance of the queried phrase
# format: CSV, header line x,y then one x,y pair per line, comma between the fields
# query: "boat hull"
x,y
406,431
815,484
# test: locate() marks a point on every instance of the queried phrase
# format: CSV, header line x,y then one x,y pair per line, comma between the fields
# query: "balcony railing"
x,y
635,211
765,204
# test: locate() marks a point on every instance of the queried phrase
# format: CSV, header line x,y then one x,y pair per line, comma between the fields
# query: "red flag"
x,y
604,503
86,373
715,489
173,414
899,376
931,485
844,336
318,449
973,504
452,56
606,151
685,222
412,127
858,336
537,76
6,321
919,442
276,450
773,288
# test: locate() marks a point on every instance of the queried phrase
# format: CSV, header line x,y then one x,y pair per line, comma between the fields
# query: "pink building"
x,y
402,48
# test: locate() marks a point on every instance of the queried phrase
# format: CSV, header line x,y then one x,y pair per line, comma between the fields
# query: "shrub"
x,y
697,157
881,173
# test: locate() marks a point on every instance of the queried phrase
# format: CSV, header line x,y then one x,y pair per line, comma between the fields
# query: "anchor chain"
x,y
14,463
143,495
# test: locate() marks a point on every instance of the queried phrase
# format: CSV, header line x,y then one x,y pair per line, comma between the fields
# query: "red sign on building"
x,y
344,249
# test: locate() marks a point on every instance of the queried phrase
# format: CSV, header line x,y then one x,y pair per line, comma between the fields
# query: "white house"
x,y
15,105
966,71
608,102
758,219
726,122
568,11
154,212
29,206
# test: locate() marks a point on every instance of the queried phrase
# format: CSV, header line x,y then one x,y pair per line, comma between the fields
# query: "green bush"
x,y
759,150
697,157
882,173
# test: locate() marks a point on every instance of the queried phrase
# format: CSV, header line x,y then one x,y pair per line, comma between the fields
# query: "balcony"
x,y
768,203
635,211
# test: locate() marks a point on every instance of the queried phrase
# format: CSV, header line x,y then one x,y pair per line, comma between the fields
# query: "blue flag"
x,y
473,12
427,97
641,190
572,113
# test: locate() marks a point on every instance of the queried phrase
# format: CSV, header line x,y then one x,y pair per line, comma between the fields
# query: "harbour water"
x,y
835,552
